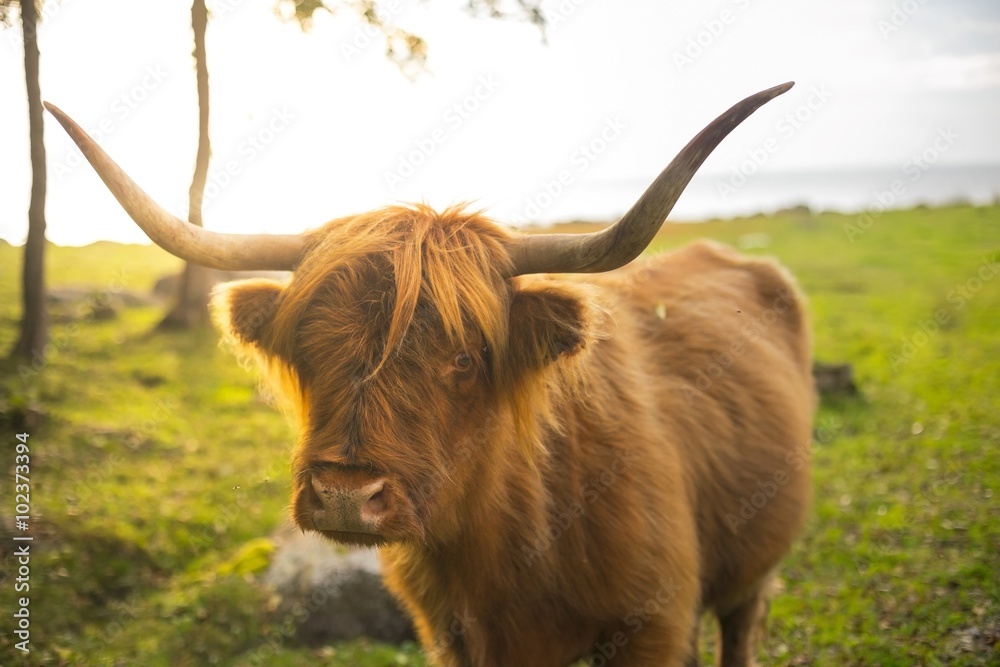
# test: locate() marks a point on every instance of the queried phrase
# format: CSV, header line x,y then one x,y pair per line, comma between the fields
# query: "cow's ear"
x,y
245,309
549,320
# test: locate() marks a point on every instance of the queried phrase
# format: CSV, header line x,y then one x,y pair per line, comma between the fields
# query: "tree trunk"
x,y
191,307
34,321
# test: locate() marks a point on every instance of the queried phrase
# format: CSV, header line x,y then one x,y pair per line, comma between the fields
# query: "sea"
x,y
734,195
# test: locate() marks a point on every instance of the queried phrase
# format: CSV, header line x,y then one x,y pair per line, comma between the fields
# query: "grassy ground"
x,y
156,470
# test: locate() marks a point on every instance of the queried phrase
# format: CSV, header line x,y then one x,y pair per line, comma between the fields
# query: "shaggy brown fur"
x,y
573,466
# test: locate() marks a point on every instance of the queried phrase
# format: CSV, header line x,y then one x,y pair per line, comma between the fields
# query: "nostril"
x,y
377,503
317,485
322,492
377,499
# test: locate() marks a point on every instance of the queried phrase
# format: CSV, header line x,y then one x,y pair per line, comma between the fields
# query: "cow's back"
x,y
726,345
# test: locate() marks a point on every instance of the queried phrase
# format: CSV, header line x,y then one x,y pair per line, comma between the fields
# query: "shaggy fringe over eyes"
x,y
455,260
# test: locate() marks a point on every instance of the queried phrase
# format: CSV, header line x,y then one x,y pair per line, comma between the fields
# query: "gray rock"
x,y
331,592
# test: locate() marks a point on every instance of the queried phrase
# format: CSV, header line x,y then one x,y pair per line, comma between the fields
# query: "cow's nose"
x,y
353,508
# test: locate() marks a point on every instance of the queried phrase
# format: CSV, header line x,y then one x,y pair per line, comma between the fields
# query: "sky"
x,y
309,126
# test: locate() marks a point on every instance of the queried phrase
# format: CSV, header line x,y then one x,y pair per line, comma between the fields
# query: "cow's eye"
x,y
462,361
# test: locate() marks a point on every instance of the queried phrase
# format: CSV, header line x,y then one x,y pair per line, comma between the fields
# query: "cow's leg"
x,y
740,630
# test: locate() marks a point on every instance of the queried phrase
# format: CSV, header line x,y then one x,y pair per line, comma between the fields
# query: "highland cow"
x,y
554,466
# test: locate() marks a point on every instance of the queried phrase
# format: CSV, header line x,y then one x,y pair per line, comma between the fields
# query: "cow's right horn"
x,y
234,252
623,241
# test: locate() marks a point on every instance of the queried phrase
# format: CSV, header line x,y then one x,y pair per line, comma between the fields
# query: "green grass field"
x,y
157,472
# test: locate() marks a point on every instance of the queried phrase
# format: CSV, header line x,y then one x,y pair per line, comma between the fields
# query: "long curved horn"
x,y
622,242
234,252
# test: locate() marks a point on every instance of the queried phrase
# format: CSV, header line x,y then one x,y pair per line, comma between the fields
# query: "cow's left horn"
x,y
623,241
233,252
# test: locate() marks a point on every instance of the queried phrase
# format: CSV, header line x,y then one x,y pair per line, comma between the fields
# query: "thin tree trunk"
x,y
34,321
191,308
